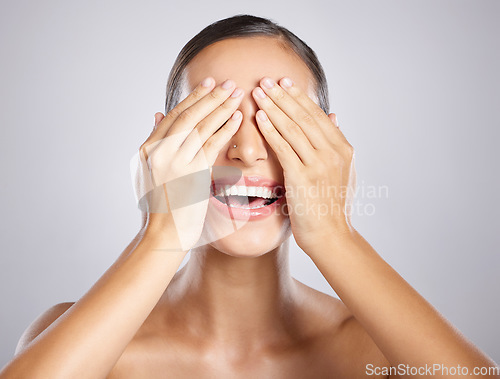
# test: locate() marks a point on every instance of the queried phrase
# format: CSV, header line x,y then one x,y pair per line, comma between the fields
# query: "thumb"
x,y
158,117
333,117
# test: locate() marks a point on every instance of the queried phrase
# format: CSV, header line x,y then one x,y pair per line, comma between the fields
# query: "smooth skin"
x,y
234,310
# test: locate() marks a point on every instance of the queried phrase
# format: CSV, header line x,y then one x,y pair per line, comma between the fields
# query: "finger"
x,y
218,140
209,125
201,90
288,129
295,111
162,124
191,116
284,152
187,120
324,122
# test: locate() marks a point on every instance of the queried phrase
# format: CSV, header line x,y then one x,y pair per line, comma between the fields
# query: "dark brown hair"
x,y
244,26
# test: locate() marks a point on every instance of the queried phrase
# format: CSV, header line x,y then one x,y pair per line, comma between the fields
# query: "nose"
x,y
251,146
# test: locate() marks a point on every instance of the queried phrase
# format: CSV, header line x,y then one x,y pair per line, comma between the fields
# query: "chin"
x,y
249,246
253,239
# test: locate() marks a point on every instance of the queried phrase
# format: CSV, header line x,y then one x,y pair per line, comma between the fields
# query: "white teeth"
x,y
263,192
241,207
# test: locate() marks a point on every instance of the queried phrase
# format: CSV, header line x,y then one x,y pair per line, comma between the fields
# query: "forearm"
x,y
87,340
405,327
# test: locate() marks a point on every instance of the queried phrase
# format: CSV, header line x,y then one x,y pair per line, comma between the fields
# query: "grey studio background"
x,y
414,84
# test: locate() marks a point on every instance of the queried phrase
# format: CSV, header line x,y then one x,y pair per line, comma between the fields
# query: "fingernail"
x,y
287,82
268,83
227,84
262,115
236,115
237,92
206,82
260,93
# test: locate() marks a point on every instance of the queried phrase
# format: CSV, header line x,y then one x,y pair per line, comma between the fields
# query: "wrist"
x,y
160,231
329,239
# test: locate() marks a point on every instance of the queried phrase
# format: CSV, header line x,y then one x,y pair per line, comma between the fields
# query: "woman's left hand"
x,y
317,161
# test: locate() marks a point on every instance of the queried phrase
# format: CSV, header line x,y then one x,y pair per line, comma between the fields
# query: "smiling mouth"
x,y
235,201
246,197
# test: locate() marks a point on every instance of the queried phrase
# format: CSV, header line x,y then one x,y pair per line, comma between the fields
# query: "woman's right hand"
x,y
173,175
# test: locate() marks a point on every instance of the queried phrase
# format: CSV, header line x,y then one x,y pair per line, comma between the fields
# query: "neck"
x,y
232,299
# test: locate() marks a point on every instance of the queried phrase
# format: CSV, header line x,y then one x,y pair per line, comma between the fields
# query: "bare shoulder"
x,y
41,323
341,342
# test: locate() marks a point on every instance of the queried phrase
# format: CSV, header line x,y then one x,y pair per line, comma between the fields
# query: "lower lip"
x,y
246,214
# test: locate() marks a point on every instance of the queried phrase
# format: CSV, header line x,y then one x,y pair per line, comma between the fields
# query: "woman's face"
x,y
246,61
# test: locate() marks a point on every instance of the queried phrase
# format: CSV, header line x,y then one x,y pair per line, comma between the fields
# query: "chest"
x,y
172,364
219,369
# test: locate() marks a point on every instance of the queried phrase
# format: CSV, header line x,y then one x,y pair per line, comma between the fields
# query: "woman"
x,y
233,195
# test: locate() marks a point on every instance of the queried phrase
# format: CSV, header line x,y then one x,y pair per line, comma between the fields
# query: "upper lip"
x,y
249,181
